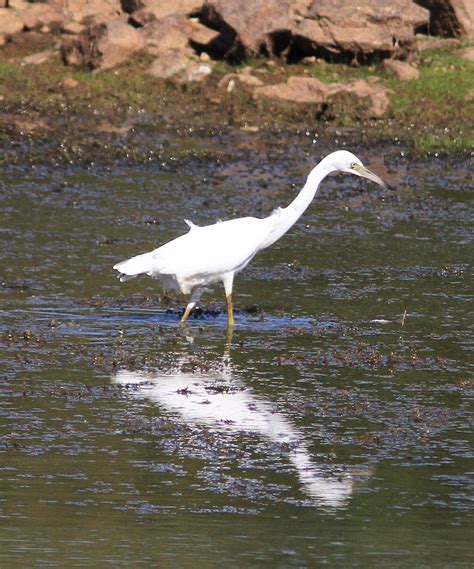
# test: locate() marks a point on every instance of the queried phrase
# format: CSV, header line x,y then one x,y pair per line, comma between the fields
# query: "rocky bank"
x,y
186,38
105,80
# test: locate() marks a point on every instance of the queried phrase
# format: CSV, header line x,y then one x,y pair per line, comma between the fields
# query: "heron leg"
x,y
228,341
228,282
230,311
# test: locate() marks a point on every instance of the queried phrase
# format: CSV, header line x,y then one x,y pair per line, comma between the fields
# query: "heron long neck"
x,y
289,215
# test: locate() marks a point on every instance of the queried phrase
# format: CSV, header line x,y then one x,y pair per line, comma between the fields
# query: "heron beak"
x,y
365,173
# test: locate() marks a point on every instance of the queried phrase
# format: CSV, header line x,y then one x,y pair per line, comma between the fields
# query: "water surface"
x,y
335,428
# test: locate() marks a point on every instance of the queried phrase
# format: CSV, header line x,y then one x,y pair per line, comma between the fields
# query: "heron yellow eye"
x,y
354,165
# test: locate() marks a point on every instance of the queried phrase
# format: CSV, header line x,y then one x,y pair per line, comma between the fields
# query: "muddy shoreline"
x,y
52,114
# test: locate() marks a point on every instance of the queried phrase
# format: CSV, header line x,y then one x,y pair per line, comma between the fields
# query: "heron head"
x,y
345,161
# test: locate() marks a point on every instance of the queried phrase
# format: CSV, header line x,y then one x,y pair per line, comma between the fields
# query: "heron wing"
x,y
212,250
204,254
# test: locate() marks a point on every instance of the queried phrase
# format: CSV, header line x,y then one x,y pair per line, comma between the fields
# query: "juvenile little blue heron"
x,y
217,252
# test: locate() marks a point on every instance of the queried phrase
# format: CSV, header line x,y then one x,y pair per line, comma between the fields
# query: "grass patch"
x,y
8,71
442,143
224,67
340,73
104,83
445,80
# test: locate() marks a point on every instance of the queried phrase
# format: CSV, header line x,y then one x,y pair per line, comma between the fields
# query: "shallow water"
x,y
334,428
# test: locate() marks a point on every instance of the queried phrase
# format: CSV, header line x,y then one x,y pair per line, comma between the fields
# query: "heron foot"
x,y
187,312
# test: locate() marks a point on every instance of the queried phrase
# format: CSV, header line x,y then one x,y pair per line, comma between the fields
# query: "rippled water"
x,y
335,426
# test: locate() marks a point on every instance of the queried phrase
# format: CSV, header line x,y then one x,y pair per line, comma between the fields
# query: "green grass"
x,y
8,71
124,83
224,67
108,81
101,83
443,143
340,73
445,80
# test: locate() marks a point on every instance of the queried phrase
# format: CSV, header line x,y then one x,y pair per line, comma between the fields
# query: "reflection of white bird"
x,y
217,252
222,401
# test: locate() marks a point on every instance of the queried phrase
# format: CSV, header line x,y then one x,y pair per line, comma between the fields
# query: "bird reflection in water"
x,y
230,406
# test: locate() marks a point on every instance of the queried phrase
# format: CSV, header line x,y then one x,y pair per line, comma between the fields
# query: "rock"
x,y
72,28
249,80
179,65
443,43
103,45
201,37
37,58
16,5
198,72
450,18
313,37
244,78
310,90
339,27
69,83
38,15
3,40
230,86
118,44
169,64
378,95
298,90
301,8
162,8
467,53
404,71
248,28
91,11
10,23
169,32
141,18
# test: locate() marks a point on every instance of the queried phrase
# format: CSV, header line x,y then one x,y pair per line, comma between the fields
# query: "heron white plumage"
x,y
217,252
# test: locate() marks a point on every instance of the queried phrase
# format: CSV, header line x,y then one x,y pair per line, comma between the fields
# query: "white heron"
x,y
213,253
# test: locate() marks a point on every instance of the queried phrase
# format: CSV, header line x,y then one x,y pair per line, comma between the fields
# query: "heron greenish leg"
x,y
228,280
230,311
228,343
187,312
